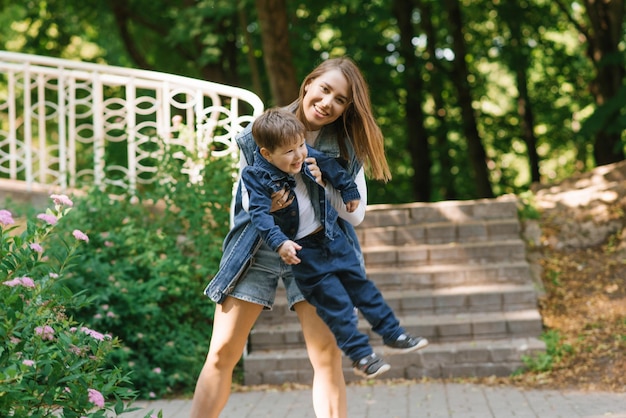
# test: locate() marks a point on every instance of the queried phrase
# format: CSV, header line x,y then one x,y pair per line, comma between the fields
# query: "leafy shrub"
x,y
556,349
148,261
50,363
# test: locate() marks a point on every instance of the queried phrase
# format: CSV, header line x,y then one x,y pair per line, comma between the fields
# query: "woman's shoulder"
x,y
245,142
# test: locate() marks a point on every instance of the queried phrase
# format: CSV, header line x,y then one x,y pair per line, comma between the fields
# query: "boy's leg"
x,y
323,289
363,292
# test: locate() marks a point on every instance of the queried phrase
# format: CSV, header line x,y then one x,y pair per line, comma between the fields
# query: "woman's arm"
x,y
356,217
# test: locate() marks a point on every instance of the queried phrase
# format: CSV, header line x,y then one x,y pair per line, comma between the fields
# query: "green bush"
x,y
556,349
149,258
50,364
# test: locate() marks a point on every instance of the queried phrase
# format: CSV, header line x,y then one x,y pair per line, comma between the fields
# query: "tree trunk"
x,y
605,34
519,64
121,16
416,133
276,51
460,72
252,62
446,179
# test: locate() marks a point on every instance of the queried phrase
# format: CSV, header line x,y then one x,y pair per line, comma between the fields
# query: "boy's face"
x,y
288,158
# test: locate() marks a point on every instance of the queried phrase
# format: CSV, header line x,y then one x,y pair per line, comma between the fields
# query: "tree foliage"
x,y
474,97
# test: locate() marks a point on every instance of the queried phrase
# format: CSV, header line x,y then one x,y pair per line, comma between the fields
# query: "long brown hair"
x,y
358,119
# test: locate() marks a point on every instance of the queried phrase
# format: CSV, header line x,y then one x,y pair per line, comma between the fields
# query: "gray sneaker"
x,y
370,366
405,344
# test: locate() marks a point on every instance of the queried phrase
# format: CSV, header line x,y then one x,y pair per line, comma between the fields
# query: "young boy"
x,y
306,236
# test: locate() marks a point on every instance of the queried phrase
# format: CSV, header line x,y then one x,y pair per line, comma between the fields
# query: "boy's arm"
x,y
260,202
336,175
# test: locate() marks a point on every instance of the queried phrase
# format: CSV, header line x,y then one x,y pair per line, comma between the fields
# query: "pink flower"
x,y
61,199
53,275
81,236
96,398
27,282
6,218
12,283
36,247
28,363
20,281
157,370
46,217
46,332
75,350
95,334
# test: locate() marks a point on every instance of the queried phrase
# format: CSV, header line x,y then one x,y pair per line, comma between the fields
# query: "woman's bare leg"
x,y
329,386
231,325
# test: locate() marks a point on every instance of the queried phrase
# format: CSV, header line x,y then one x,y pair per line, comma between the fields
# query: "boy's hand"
x,y
288,251
315,170
352,205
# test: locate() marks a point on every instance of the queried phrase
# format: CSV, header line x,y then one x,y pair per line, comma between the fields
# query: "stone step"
x,y
442,275
435,327
504,207
454,272
476,358
440,232
454,300
391,256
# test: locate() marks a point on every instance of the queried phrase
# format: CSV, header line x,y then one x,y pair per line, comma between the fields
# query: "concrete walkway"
x,y
410,399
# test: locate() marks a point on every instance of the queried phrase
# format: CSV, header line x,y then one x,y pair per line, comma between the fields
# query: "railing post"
x,y
28,132
12,104
71,122
41,127
98,130
131,122
62,129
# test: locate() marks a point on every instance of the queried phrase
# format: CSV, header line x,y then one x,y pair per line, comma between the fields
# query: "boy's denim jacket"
x,y
242,241
264,179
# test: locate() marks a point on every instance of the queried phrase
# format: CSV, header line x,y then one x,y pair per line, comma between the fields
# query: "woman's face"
x,y
325,99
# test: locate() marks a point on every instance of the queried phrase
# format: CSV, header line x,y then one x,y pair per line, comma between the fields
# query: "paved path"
x,y
410,399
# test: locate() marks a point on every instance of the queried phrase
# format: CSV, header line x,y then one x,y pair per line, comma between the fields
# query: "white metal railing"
x,y
68,124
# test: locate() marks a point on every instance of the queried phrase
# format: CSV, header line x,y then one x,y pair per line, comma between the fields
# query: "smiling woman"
x,y
334,106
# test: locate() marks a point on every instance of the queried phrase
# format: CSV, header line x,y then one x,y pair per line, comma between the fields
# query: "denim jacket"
x,y
264,179
242,241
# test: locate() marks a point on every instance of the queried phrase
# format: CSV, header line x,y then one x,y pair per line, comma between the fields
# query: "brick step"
x,y
392,256
450,275
504,207
479,358
436,327
459,299
440,232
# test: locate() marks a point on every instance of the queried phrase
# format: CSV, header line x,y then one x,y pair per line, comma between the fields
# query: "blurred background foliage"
x,y
476,98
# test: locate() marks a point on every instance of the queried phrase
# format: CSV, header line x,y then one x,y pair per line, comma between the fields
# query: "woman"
x,y
335,107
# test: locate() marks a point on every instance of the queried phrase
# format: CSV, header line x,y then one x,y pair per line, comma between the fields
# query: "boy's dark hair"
x,y
277,127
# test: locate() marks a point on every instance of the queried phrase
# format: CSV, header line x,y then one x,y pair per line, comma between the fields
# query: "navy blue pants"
x,y
333,280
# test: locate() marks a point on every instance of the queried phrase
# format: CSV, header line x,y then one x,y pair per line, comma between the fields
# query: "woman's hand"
x,y
281,199
315,170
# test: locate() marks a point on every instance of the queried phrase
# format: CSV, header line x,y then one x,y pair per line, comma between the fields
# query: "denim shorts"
x,y
258,284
